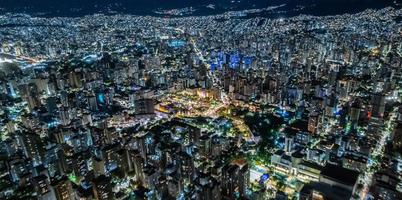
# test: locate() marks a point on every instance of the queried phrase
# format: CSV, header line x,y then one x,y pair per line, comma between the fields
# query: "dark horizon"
x,y
76,8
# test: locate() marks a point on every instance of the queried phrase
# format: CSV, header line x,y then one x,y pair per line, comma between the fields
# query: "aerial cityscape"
x,y
201,100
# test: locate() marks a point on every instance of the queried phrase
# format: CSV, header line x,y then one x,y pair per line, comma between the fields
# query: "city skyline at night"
x,y
201,100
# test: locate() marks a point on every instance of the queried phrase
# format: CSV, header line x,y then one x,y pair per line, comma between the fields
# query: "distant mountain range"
x,y
75,8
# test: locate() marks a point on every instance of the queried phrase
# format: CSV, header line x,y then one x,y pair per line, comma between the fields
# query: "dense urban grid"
x,y
209,107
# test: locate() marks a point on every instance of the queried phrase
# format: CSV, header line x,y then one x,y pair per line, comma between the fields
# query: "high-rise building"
x,y
62,189
378,105
313,123
144,106
289,142
102,188
32,147
235,179
397,137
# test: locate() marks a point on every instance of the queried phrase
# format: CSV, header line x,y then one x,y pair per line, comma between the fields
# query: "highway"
x,y
3,57
371,168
